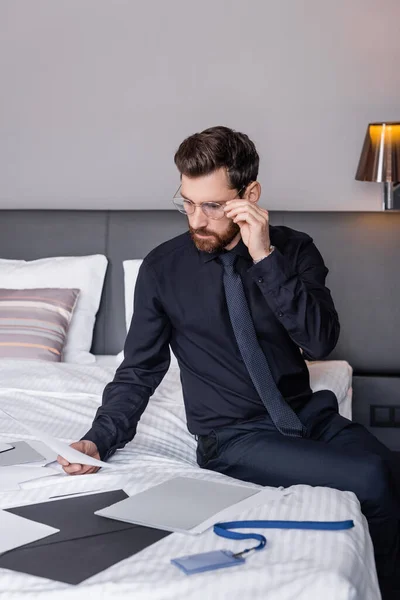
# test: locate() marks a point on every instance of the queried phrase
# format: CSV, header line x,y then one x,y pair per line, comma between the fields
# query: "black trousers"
x,y
336,453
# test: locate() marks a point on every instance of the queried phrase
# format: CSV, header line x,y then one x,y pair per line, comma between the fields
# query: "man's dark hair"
x,y
216,148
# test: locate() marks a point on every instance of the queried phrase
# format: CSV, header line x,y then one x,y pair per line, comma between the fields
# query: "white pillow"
x,y
85,273
334,375
131,271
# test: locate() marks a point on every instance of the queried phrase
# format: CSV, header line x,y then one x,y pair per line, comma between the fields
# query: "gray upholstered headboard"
x,y
361,250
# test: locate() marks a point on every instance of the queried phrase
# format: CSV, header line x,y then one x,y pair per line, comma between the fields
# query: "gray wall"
x,y
97,94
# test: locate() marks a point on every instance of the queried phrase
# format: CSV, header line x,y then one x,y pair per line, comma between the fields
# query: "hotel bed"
x,y
61,399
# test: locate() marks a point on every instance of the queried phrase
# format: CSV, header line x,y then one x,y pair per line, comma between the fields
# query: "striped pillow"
x,y
34,322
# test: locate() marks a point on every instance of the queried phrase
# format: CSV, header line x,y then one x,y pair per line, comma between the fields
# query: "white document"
x,y
180,504
4,447
11,477
63,449
17,531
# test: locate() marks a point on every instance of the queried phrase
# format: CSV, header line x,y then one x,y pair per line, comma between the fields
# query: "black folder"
x,y
86,543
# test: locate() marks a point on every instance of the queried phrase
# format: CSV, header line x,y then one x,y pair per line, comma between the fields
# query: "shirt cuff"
x,y
96,436
273,271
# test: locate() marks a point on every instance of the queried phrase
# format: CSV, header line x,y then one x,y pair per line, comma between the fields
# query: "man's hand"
x,y
86,447
254,226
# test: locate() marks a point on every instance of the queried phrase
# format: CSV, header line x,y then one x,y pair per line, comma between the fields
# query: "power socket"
x,y
384,416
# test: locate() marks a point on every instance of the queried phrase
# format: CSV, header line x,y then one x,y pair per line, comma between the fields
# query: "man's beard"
x,y
216,243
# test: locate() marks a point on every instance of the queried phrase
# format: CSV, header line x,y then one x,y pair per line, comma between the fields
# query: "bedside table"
x,y
376,405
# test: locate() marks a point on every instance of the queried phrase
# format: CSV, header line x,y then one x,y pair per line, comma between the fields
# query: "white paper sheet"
x,y
44,450
11,477
17,531
63,449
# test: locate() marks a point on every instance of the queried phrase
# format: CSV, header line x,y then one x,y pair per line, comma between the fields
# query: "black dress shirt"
x,y
180,301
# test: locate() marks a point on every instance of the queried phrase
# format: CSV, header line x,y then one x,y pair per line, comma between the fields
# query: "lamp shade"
x,y
380,156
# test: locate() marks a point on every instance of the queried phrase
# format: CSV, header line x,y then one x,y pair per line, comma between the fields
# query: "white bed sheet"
x,y
62,399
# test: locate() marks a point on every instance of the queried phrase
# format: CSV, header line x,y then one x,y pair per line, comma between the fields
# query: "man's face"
x,y
209,234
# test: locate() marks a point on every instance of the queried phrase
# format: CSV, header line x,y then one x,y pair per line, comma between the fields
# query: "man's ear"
x,y
253,192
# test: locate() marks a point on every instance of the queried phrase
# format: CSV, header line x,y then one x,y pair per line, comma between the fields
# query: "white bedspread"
x,y
303,565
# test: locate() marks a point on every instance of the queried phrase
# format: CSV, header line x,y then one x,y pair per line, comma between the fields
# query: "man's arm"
x,y
296,292
147,359
292,283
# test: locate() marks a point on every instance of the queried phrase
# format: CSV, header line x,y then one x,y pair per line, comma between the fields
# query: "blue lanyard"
x,y
223,529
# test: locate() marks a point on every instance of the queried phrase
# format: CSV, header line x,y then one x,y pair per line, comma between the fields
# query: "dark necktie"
x,y
284,418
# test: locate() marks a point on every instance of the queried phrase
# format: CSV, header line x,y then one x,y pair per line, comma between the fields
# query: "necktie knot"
x,y
228,259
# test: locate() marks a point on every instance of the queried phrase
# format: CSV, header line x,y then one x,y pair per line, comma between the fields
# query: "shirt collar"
x,y
240,249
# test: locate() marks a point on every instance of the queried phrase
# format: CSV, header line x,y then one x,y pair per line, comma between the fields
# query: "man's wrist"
x,y
98,441
265,255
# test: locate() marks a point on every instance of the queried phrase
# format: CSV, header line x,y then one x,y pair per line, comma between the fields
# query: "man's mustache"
x,y
203,231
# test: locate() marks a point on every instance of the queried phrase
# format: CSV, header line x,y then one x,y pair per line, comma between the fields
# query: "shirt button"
x,y
280,314
260,280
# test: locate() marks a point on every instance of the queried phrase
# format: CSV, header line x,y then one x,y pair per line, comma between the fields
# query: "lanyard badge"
x,y
219,559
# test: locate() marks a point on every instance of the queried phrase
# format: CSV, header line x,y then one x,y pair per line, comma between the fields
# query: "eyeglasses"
x,y
213,210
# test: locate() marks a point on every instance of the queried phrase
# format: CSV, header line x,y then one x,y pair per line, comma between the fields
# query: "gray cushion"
x,y
34,322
